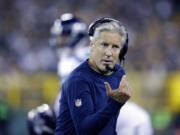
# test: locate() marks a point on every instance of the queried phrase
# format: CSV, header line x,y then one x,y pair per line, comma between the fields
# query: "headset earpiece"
x,y
124,50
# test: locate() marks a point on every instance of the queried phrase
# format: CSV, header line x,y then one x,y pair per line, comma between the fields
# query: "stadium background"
x,y
28,65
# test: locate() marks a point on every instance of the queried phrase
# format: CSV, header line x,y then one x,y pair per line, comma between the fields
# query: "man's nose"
x,y
108,51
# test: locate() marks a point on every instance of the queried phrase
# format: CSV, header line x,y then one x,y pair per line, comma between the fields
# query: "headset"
x,y
96,23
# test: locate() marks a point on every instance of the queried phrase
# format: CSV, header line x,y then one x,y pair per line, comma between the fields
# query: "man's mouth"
x,y
107,62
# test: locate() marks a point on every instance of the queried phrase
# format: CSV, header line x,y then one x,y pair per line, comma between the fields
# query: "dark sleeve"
x,y
80,101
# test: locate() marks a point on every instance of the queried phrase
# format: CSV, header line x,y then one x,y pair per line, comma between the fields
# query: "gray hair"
x,y
109,26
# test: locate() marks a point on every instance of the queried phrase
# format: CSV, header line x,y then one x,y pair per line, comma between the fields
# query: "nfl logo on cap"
x,y
78,102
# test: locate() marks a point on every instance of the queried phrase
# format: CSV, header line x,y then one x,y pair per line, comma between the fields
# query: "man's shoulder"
x,y
78,74
119,71
119,68
75,83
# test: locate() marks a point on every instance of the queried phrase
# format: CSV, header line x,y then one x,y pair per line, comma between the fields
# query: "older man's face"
x,y
105,51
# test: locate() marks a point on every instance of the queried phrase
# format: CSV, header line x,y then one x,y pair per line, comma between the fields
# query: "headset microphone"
x,y
110,69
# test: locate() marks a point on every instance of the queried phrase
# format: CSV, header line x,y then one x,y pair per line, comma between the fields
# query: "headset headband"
x,y
93,25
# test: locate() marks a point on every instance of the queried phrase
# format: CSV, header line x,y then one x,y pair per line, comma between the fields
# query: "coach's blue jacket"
x,y
85,108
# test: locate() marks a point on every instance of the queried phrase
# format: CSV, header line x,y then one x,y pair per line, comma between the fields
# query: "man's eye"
x,y
104,44
115,46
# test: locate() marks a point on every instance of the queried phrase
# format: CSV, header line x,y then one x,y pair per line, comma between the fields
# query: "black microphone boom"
x,y
110,69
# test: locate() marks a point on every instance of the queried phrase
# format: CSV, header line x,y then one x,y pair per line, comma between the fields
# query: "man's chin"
x,y
105,69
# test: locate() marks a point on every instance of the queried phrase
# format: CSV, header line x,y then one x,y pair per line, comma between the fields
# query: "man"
x,y
95,91
70,54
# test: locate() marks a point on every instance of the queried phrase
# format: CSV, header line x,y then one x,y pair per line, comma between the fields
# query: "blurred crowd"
x,y
153,27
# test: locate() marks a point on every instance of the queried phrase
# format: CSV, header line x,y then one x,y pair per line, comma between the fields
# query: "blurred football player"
x,y
69,41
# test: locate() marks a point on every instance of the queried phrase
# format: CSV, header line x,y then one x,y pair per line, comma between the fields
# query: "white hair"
x,y
109,26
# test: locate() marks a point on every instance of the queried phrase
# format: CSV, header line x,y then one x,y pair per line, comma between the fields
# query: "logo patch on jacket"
x,y
78,102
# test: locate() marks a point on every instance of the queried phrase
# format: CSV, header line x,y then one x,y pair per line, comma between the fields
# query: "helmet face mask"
x,y
61,41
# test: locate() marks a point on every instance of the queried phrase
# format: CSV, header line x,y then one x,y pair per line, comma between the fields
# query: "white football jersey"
x,y
133,120
70,59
